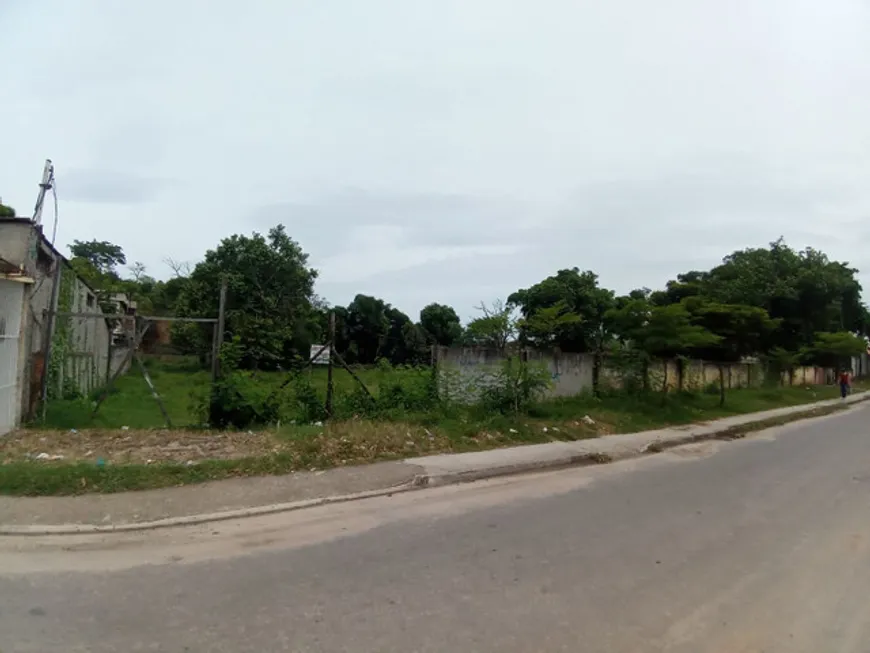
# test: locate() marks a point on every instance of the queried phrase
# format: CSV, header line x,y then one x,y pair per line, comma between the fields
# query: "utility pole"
x,y
45,185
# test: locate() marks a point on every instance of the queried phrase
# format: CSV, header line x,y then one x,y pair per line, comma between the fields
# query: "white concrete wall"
x,y
463,372
85,365
87,362
12,294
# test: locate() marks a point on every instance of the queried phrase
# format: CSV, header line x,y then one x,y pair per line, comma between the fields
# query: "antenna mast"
x,y
44,186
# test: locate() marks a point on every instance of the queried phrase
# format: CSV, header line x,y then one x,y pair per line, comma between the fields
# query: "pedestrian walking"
x,y
845,383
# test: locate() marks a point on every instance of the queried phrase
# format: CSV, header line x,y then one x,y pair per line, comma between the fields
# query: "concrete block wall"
x,y
463,372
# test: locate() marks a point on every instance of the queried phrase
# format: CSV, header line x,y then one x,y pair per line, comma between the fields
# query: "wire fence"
x,y
94,356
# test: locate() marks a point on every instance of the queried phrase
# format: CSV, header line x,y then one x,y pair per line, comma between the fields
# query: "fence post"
x,y
219,332
329,386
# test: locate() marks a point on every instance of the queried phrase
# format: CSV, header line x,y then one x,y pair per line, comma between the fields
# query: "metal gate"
x,y
11,303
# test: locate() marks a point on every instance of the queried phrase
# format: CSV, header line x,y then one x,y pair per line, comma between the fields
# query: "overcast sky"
x,y
445,150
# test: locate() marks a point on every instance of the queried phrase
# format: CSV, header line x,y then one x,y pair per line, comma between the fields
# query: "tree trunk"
x,y
721,385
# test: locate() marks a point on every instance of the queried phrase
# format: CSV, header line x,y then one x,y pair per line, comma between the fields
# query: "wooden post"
x,y
215,352
329,386
221,324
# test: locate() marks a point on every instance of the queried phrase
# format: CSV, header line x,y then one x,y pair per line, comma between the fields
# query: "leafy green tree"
x,y
441,323
652,332
837,349
96,262
416,346
104,256
686,285
545,325
495,329
368,327
6,211
270,293
743,330
580,295
803,291
781,361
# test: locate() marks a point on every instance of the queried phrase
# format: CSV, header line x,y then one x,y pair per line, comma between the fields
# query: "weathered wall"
x,y
463,371
15,241
466,370
80,356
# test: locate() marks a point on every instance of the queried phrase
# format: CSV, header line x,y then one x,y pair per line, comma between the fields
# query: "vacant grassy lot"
x,y
181,384
126,448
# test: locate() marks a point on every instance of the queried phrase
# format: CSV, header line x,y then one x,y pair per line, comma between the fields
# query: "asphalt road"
x,y
749,546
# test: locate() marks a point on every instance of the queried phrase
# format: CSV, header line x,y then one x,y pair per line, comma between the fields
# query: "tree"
x,y
416,344
495,328
104,256
837,349
270,290
580,295
743,330
805,291
781,361
367,328
179,268
651,332
689,284
6,211
96,262
441,324
545,325
137,270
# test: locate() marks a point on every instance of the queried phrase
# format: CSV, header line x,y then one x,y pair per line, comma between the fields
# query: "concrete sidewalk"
x,y
236,498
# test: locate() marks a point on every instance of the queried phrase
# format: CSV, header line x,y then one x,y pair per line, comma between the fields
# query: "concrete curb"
x,y
566,459
204,518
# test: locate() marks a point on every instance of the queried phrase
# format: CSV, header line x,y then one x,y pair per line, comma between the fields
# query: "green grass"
x,y
33,479
356,441
309,450
180,384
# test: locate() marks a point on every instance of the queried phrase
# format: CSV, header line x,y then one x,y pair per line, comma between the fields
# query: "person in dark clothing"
x,y
845,382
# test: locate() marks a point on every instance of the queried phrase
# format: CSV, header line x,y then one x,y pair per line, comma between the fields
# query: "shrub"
x,y
515,387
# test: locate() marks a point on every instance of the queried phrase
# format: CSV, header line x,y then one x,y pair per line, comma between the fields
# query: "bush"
x,y
308,407
515,387
238,401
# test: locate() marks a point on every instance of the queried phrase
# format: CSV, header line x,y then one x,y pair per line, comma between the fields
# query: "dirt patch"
x,y
334,444
133,446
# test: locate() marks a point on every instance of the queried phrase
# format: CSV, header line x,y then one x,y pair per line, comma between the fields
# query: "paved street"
x,y
747,546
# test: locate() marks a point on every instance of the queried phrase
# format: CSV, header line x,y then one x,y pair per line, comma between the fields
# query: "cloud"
x,y
446,151
110,187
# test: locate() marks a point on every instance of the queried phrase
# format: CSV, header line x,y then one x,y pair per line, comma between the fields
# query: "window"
x,y
90,300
